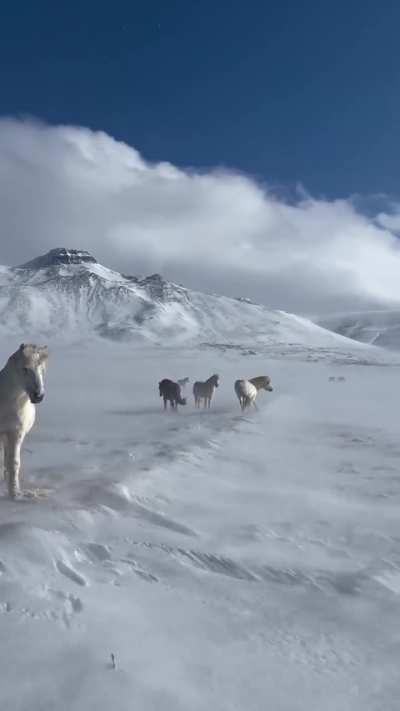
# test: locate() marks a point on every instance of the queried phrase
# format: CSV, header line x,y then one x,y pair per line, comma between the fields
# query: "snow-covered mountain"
x,y
380,328
67,291
189,560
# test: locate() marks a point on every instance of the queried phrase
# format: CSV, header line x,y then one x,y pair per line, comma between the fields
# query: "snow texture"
x,y
380,328
227,562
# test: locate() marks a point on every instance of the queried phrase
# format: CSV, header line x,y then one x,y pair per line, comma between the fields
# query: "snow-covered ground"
x,y
229,562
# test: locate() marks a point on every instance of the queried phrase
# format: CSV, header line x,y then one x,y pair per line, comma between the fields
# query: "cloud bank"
x,y
220,231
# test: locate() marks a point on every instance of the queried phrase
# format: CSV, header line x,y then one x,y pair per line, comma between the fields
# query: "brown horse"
x,y
171,391
204,391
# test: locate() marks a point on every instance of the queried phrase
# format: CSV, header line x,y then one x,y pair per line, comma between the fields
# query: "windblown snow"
x,y
380,328
201,559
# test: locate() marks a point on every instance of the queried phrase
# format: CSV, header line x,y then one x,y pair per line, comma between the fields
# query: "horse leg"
x,y
13,463
254,405
165,403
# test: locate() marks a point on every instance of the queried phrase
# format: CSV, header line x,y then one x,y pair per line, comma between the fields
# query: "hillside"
x,y
378,328
67,292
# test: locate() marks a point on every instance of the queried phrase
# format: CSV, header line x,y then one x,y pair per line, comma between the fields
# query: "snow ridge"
x,y
67,292
60,255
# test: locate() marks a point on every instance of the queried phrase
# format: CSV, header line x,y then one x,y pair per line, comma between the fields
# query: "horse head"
x,y
267,384
31,363
214,380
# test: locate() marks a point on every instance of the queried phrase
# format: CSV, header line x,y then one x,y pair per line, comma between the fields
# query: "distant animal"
x,y
339,379
247,390
183,382
171,392
205,391
21,388
332,378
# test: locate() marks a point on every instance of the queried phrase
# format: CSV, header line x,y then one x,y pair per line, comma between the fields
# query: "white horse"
x,y
204,391
21,388
247,390
183,382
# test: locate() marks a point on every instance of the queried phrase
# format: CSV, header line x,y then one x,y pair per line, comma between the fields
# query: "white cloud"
x,y
69,186
390,221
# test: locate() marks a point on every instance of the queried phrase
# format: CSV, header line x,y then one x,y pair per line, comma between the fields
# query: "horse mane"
x,y
30,350
259,381
213,377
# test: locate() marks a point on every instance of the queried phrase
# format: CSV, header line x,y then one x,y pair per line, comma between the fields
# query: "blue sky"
x,y
245,148
288,92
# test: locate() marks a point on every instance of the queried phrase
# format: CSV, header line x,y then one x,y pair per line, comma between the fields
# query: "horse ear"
x,y
22,346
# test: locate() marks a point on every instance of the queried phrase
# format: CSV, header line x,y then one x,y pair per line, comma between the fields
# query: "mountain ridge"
x,y
376,327
68,291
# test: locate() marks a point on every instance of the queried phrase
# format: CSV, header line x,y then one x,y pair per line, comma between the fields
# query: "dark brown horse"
x,y
171,391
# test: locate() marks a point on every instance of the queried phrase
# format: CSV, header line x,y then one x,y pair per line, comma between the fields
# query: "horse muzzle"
x,y
35,398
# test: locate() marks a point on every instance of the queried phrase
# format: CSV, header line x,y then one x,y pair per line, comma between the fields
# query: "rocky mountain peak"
x,y
58,256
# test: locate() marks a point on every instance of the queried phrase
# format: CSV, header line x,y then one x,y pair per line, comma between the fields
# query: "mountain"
x,y
379,328
57,257
66,292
